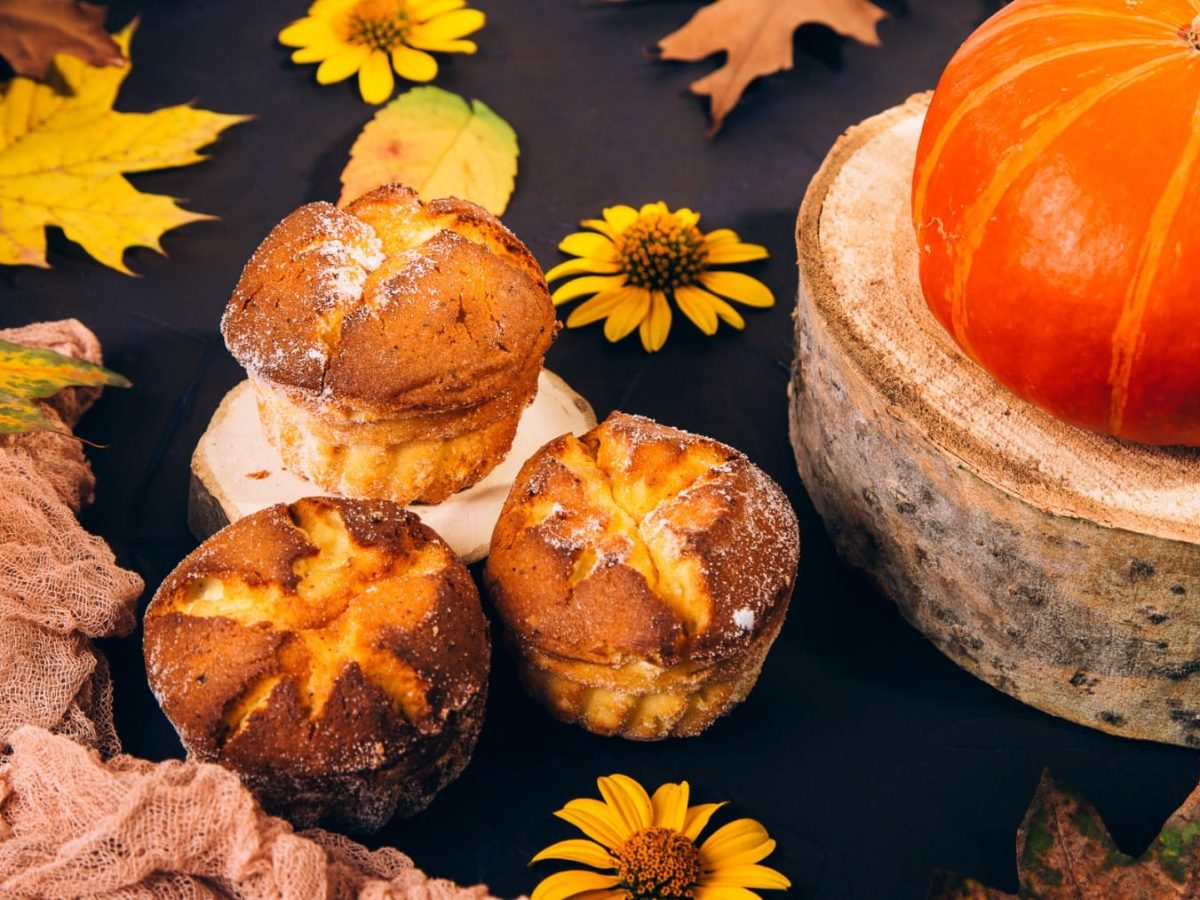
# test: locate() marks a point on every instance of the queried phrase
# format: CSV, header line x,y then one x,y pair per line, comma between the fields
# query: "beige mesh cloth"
x,y
72,825
59,585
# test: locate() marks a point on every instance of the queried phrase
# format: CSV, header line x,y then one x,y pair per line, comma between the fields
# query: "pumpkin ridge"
x,y
1015,17
1011,165
980,95
1128,336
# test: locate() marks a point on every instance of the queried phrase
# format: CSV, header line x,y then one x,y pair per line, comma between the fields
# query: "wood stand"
x,y
235,471
1058,565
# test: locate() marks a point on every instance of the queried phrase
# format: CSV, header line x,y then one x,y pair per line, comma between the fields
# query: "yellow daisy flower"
x,y
373,37
648,847
633,260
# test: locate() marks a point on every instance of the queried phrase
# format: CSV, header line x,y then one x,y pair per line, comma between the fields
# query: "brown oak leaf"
x,y
33,31
757,36
1064,852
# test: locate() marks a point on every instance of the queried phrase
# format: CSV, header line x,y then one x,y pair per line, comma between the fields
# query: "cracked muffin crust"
x,y
642,574
392,345
333,653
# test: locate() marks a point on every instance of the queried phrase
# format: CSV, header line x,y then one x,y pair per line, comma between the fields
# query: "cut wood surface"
x,y
1061,566
235,471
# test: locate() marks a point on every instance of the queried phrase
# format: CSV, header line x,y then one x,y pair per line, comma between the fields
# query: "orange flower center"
x,y
659,252
379,24
658,864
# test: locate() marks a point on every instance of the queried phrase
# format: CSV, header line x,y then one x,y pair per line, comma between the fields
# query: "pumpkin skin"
x,y
1056,201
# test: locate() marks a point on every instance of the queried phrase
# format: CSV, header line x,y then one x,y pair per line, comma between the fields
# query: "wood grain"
x,y
236,471
1058,565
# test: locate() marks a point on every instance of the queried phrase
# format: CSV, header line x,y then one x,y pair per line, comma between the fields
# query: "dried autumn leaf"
x,y
757,36
63,150
30,373
32,32
947,885
1064,852
439,145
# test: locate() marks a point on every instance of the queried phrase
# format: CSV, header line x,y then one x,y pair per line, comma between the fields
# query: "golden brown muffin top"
x,y
639,541
324,636
391,302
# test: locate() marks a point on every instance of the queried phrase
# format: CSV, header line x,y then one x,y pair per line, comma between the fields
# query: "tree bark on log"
x,y
1060,566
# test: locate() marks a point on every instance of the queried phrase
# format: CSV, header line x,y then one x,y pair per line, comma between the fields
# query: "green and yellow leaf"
x,y
438,144
63,155
30,373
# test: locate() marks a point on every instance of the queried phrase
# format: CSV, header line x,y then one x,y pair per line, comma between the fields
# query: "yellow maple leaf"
x,y
63,152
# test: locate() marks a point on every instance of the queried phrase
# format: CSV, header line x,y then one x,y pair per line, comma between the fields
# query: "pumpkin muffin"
x,y
333,653
642,574
393,344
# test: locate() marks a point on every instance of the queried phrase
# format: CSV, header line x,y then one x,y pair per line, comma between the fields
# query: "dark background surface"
x,y
871,758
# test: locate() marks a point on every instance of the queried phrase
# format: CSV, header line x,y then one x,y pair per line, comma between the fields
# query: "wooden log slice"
x,y
1058,565
235,471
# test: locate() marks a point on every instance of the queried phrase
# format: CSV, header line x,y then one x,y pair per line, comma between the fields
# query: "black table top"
x,y
871,758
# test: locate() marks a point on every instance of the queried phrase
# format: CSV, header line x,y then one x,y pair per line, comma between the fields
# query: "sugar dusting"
x,y
365,777
731,525
342,269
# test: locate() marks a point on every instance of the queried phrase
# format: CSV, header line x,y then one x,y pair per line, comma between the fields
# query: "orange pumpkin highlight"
x,y
1056,201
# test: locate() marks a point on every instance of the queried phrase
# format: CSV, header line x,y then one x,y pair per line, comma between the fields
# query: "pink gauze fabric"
x,y
59,585
71,824
74,826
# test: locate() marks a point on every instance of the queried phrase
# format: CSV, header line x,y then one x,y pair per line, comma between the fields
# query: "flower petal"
x,y
670,805
735,252
656,326
601,226
748,877
735,837
697,818
721,236
725,312
342,64
588,284
316,52
696,304
580,267
627,796
424,10
745,857
375,81
448,27
459,46
739,287
562,885
596,820
620,217
304,32
627,317
589,244
600,306
330,9
413,65
707,892
578,850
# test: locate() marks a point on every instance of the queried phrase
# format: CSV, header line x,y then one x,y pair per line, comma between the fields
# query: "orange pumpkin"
x,y
1056,201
